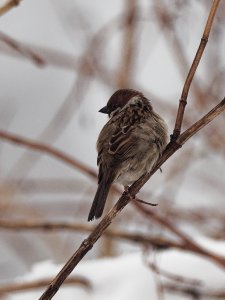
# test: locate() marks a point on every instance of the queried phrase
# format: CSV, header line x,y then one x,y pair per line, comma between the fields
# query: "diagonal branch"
x,y
128,196
8,6
198,56
23,50
36,284
173,147
46,149
195,292
160,243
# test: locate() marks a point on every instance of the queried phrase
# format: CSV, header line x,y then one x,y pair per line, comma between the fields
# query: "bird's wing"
x,y
122,144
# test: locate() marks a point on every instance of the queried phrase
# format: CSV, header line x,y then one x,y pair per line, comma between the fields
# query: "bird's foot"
x,y
126,188
126,193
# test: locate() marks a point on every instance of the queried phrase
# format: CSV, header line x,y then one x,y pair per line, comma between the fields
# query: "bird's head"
x,y
120,99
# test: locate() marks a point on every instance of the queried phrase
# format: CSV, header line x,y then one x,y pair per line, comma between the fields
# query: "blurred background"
x,y
60,61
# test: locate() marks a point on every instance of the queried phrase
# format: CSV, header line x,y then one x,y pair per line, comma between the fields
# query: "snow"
x,y
129,277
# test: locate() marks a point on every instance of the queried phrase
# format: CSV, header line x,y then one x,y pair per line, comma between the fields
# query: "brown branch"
x,y
186,241
89,62
218,109
167,26
191,73
58,122
175,145
8,6
37,284
174,277
50,57
46,149
22,49
123,78
183,138
41,185
58,154
128,196
159,243
195,292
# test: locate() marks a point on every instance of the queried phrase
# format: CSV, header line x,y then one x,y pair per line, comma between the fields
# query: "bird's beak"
x,y
104,110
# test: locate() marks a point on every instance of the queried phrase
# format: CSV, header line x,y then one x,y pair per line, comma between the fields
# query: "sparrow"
x,y
128,145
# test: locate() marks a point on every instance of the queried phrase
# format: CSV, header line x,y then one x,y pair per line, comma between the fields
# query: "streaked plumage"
x,y
128,145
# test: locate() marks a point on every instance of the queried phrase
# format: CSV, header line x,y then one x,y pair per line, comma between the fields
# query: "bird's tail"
x,y
99,200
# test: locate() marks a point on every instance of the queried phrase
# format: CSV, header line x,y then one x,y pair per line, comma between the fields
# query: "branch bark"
x,y
8,6
23,50
124,75
46,149
160,243
128,196
195,292
191,73
36,284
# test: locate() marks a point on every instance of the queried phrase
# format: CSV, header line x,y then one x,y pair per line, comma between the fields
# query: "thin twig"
x,y
88,243
42,185
186,241
167,26
175,145
218,109
36,284
57,124
58,154
158,280
22,49
8,6
174,277
191,73
196,293
123,77
145,202
46,149
159,243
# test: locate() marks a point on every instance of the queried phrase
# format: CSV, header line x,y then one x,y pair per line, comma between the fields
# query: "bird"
x,y
128,145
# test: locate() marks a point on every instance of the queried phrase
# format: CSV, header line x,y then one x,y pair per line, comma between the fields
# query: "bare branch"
x,y
128,196
8,6
191,73
201,123
175,145
158,242
174,277
22,50
195,292
54,152
36,284
186,241
128,45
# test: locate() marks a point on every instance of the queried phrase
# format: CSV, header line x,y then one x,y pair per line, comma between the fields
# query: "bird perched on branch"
x,y
128,145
